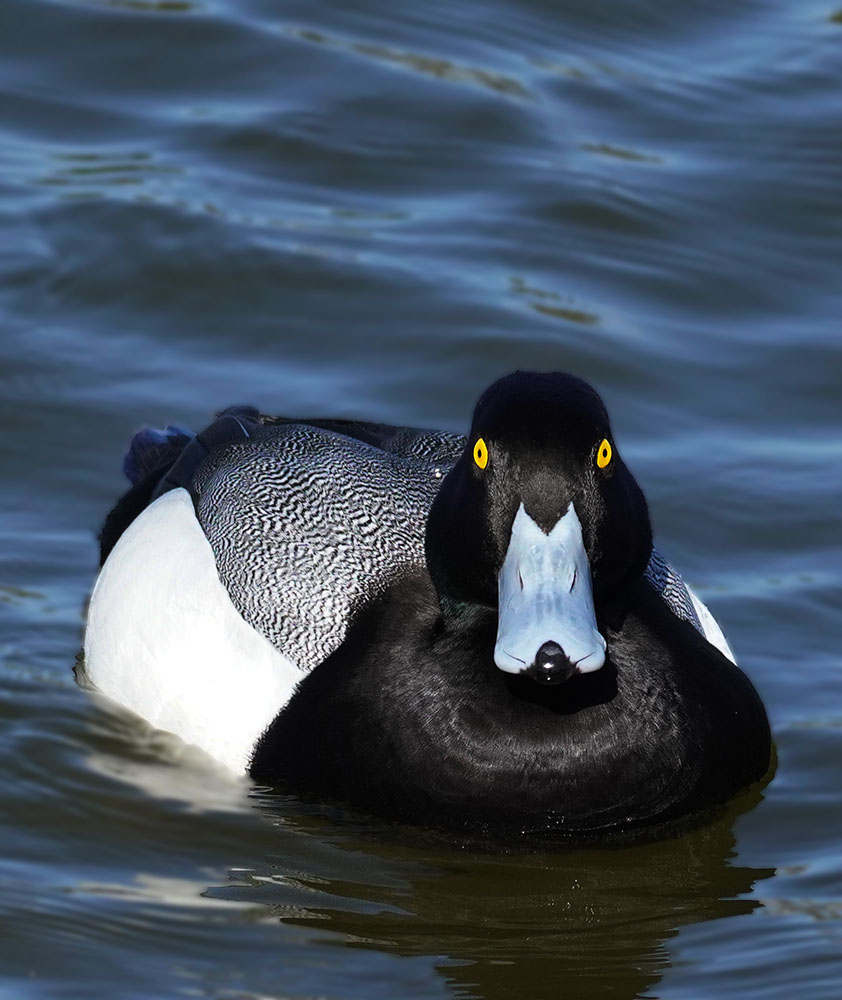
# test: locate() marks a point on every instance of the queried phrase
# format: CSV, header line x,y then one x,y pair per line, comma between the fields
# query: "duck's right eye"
x,y
481,453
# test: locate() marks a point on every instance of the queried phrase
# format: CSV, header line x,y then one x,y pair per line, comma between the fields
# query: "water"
x,y
373,210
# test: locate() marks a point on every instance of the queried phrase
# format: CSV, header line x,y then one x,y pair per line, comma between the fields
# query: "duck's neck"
x,y
458,615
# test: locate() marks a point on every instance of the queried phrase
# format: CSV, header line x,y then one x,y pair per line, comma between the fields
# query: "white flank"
x,y
164,640
710,627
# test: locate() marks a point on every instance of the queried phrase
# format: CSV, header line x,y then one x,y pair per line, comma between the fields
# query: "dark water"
x,y
372,210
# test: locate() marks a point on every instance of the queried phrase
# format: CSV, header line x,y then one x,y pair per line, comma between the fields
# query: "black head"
x,y
542,442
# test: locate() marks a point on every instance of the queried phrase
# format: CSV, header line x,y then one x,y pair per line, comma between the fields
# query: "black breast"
x,y
412,723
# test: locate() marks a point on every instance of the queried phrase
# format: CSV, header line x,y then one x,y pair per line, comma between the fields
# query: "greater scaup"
x,y
474,634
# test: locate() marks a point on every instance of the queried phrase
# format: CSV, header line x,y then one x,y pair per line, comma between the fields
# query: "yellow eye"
x,y
603,455
481,453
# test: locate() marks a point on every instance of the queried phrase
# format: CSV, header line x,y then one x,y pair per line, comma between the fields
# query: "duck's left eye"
x,y
481,453
603,454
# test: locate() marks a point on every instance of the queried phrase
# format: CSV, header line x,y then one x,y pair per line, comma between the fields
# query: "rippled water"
x,y
372,210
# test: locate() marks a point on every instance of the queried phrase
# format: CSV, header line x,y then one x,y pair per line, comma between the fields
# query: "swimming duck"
x,y
470,633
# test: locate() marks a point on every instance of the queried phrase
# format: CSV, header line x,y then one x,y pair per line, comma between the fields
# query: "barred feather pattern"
x,y
672,588
307,525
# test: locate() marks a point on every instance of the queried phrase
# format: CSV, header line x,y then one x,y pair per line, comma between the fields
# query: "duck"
x,y
471,633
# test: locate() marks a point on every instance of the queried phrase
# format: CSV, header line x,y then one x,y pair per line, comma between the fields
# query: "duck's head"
x,y
541,519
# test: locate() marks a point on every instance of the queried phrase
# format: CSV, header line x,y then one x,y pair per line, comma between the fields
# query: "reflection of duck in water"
x,y
543,675
579,924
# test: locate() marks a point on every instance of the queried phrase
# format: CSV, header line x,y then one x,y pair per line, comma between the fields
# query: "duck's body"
x,y
646,741
380,616
236,566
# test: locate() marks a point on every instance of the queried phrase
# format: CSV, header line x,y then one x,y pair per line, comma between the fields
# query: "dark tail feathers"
x,y
160,460
150,455
152,449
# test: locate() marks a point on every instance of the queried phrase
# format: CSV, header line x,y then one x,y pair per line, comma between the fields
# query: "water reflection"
x,y
581,924
585,923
